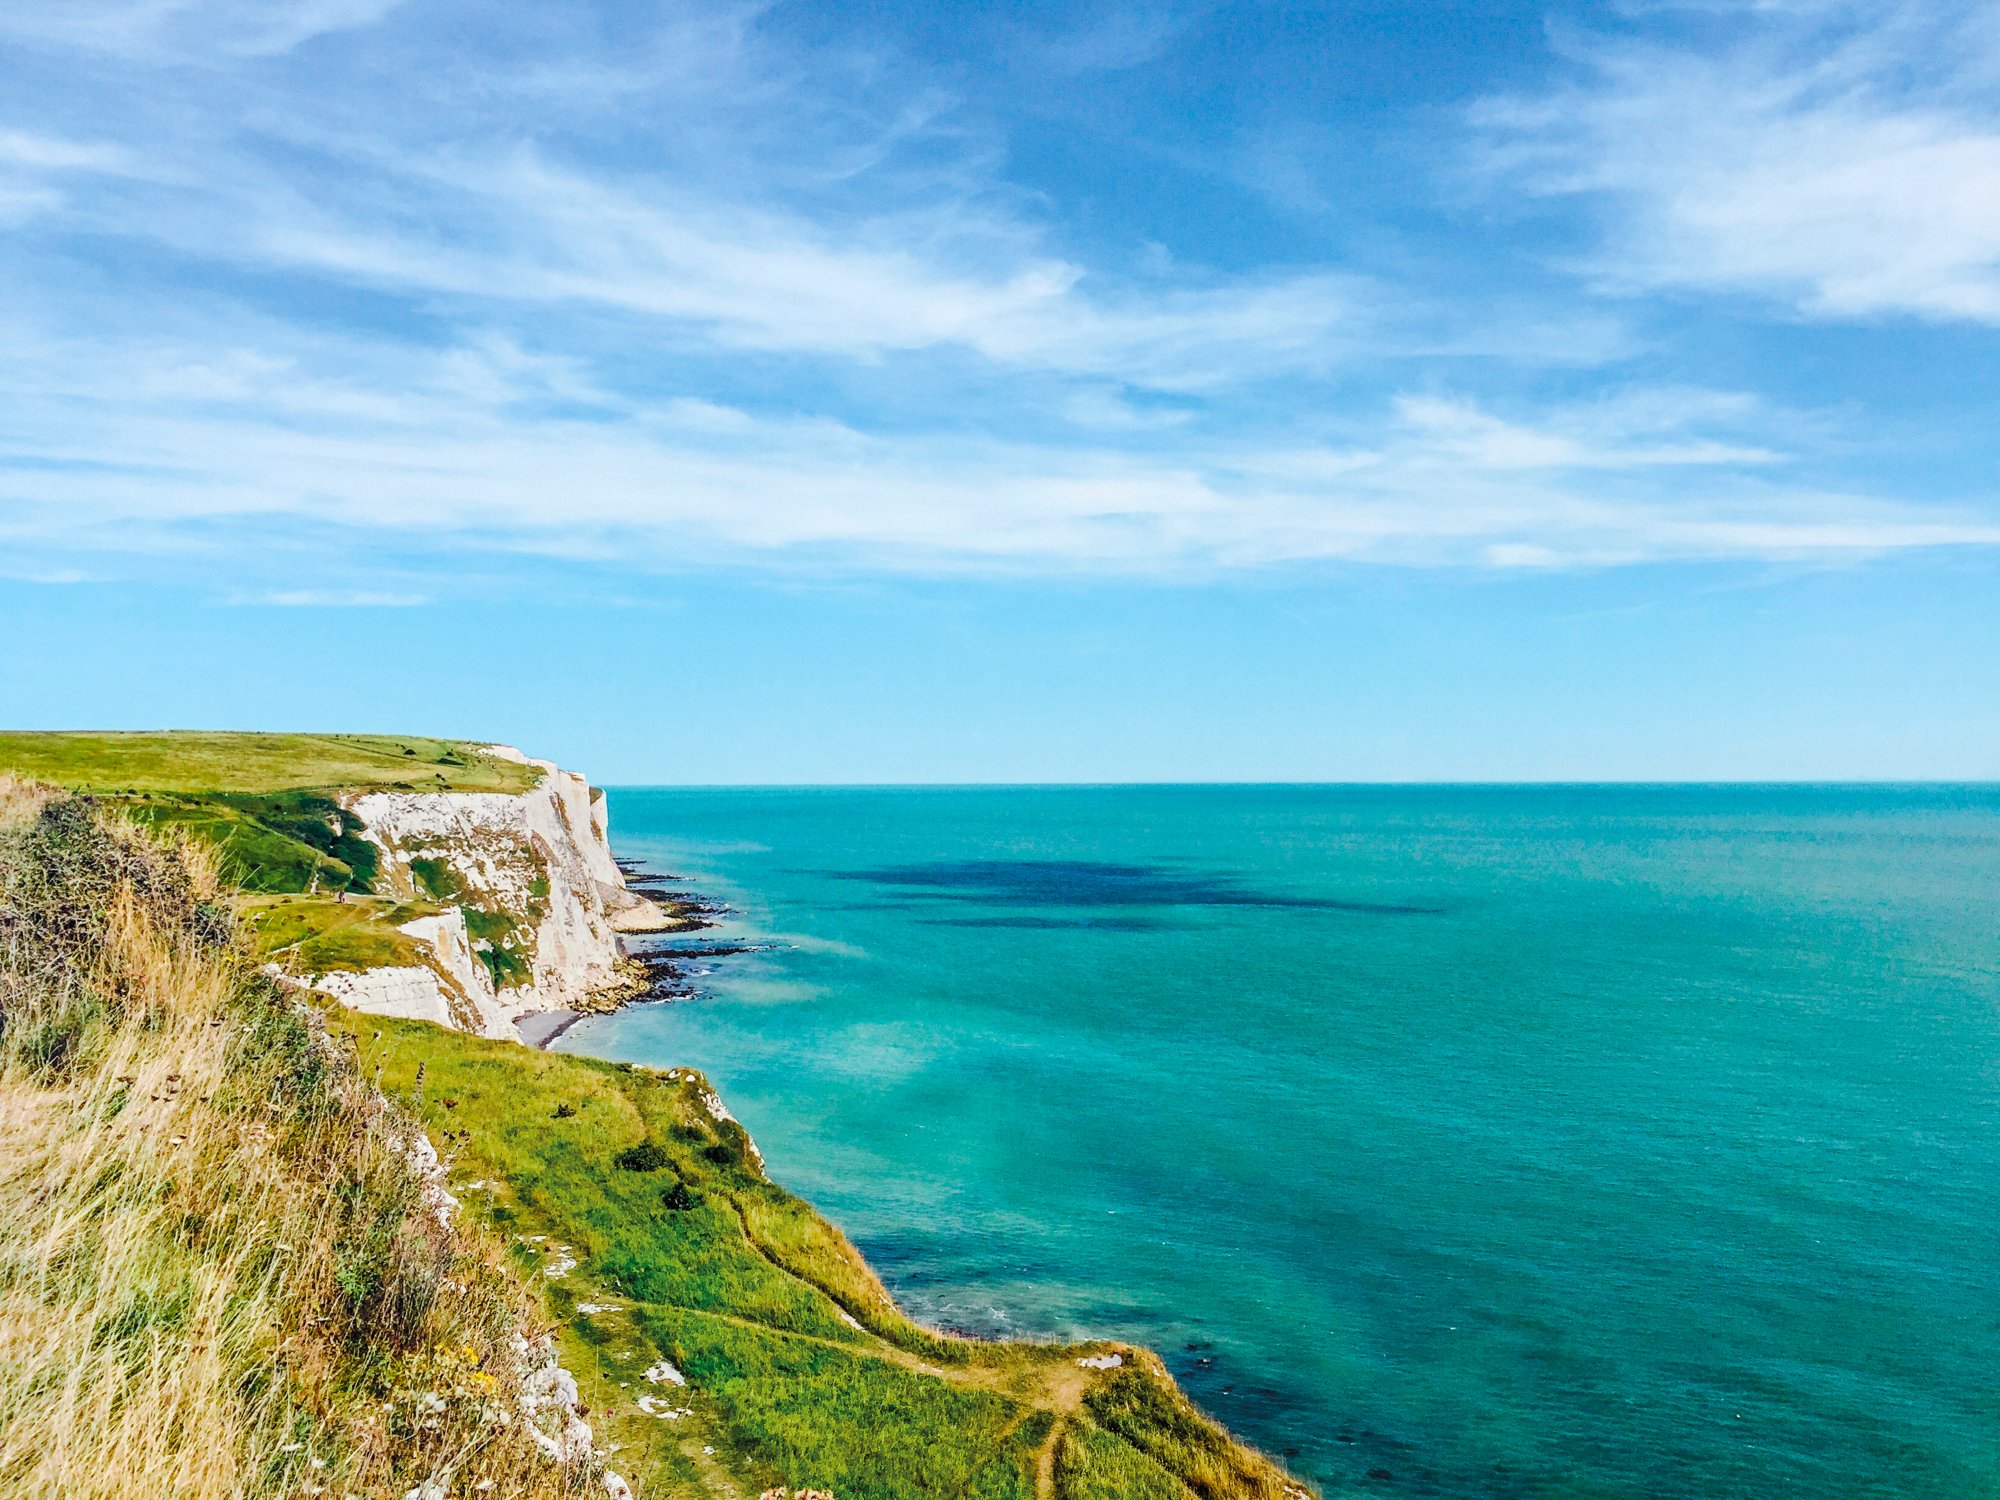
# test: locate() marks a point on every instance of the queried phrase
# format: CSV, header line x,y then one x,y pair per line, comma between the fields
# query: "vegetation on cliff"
x,y
646,1214
220,1275
206,1208
266,805
205,763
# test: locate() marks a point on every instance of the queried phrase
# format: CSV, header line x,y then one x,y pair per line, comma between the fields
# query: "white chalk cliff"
x,y
535,870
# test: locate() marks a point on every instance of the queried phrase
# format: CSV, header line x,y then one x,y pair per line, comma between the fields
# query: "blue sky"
x,y
911,392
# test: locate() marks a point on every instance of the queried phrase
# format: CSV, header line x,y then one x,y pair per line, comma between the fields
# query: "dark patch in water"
x,y
1051,924
1082,882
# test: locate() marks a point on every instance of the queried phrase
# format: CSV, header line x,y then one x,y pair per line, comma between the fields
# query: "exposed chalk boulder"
x,y
411,993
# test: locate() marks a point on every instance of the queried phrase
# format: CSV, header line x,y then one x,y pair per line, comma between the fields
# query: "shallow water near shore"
x,y
1577,1142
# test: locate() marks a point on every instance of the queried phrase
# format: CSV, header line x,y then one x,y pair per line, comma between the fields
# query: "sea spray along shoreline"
x,y
723,1337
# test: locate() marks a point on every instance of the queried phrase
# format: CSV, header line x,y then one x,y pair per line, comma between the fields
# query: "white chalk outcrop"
x,y
409,992
537,865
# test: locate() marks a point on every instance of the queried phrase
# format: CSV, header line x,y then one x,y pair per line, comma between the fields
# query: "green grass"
x,y
266,804
281,841
313,935
1092,1464
436,878
502,941
254,855
800,1368
1157,1421
211,762
263,800
864,1427
219,1278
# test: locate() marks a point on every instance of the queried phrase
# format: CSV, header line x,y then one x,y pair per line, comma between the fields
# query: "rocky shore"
x,y
659,970
526,914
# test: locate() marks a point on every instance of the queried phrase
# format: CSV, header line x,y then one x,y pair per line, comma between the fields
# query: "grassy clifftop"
x,y
215,762
267,804
272,1263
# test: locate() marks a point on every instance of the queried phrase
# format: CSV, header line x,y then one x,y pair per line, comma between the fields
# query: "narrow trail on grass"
x,y
1055,1386
1056,1390
721,1483
1045,1461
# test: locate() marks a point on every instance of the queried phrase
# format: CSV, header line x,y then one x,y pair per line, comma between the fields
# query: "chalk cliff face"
x,y
533,901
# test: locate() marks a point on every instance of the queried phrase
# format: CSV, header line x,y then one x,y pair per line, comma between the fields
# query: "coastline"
x,y
1109,1358
539,1029
655,972
722,1333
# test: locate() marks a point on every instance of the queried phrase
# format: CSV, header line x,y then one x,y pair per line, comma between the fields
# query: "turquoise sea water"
x,y
1608,1141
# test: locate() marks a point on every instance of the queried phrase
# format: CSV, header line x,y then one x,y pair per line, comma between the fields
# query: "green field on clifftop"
x,y
203,761
267,804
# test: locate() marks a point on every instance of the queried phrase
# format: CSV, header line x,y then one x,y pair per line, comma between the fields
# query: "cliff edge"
x,y
439,880
397,1260
530,902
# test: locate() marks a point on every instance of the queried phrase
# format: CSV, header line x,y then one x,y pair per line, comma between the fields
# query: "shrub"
x,y
239,1282
723,1153
647,1156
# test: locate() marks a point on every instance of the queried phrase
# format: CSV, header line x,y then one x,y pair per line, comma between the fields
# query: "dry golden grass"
x,y
219,1274
20,800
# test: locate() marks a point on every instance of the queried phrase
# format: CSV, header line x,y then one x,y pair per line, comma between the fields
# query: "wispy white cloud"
x,y
49,153
188,29
522,230
36,170
396,304
1117,36
1489,442
1840,157
120,446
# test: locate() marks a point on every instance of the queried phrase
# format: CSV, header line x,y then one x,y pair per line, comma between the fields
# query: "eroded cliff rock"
x,y
530,902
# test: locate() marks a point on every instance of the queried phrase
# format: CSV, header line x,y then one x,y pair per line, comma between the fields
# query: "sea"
x,y
1452,1141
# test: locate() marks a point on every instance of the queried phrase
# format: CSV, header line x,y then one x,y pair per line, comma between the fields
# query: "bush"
x,y
647,1156
238,1279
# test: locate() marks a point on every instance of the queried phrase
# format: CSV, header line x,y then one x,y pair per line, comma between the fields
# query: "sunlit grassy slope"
x,y
656,1236
219,1277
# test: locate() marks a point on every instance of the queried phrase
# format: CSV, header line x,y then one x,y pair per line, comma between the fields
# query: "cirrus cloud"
x,y
1839,157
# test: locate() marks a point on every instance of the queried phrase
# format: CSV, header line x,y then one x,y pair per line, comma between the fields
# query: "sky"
x,y
1012,392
